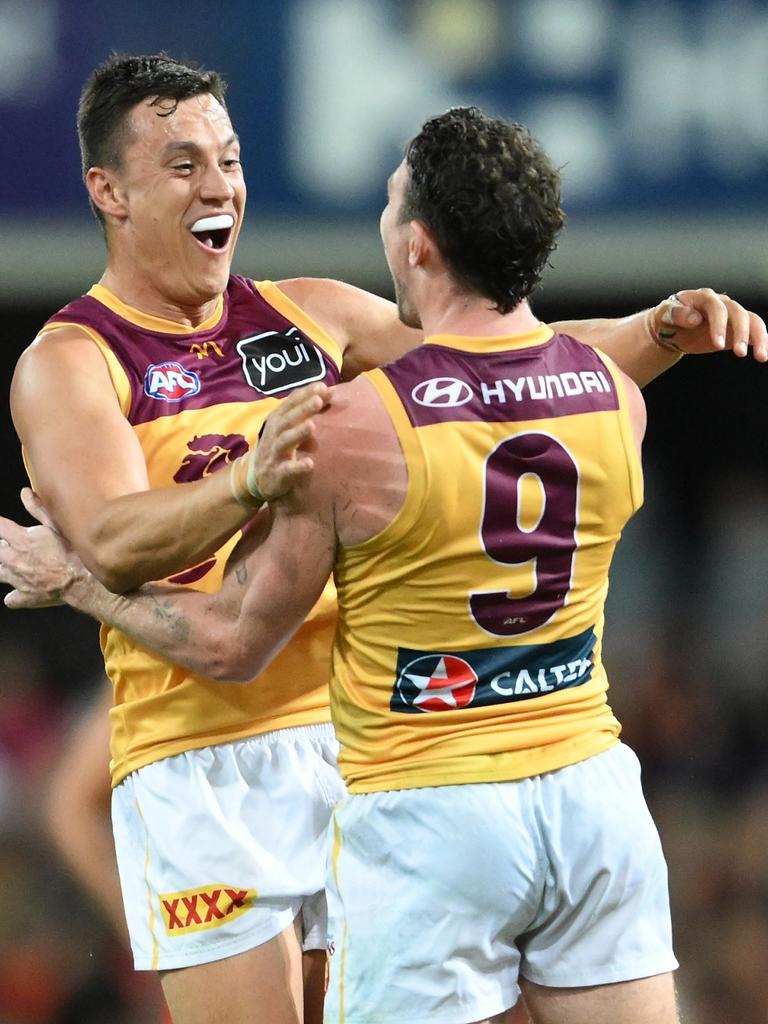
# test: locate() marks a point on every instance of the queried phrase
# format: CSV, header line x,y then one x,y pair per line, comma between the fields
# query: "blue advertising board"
x,y
655,110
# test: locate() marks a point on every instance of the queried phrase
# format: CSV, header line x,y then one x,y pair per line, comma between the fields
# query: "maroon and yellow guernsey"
x,y
195,398
468,647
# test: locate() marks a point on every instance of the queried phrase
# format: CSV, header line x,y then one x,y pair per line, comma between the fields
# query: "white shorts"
x,y
439,897
219,849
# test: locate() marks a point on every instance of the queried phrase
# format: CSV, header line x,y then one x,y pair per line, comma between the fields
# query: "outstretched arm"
x,y
644,345
694,321
273,578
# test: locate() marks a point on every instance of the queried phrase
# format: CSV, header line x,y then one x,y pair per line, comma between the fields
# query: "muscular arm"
x,y
370,333
88,467
273,578
703,322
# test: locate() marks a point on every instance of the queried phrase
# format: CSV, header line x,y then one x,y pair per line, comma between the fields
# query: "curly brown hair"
x,y
117,85
491,197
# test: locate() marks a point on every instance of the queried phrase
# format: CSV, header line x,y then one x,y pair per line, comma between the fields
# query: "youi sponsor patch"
x,y
275,362
170,382
432,681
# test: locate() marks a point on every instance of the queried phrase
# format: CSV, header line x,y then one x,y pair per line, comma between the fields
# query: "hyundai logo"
x,y
442,392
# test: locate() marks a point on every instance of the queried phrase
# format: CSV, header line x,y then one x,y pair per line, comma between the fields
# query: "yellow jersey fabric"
x,y
196,398
468,645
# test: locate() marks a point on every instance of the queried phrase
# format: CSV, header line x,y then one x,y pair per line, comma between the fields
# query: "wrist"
x,y
82,590
660,327
245,493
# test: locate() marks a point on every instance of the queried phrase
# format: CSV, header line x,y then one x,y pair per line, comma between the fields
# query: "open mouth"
x,y
214,232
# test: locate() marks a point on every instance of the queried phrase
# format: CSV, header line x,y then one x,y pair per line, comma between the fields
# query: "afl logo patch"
x,y
442,392
170,382
275,362
435,682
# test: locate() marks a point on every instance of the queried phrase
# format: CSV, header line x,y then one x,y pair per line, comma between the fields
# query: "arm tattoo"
x,y
166,612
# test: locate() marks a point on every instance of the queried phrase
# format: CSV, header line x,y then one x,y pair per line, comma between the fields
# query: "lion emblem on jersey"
x,y
209,453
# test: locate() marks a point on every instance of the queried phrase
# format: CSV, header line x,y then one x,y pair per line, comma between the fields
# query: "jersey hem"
x,y
466,776
124,769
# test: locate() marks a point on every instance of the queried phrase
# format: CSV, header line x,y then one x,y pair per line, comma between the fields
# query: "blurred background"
x,y
657,112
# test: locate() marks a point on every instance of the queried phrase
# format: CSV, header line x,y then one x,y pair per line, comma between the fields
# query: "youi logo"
x,y
274,362
170,382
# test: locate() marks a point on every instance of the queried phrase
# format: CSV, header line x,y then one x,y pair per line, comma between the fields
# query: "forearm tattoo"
x,y
167,613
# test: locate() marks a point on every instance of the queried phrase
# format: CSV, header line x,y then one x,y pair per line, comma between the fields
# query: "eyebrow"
x,y
192,147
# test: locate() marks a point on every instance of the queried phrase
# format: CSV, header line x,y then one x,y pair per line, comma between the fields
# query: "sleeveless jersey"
x,y
468,645
195,398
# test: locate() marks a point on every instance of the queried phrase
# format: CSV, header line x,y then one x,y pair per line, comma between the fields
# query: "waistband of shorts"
x,y
318,731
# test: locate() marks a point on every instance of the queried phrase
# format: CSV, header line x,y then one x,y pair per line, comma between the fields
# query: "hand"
x,y
36,560
275,464
698,321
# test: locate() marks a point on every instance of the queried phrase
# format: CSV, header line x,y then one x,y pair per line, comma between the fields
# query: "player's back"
x,y
469,640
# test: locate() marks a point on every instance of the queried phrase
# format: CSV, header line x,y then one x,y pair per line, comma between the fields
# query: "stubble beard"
x,y
405,310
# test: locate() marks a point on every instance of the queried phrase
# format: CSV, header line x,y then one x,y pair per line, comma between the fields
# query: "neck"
x,y
134,289
473,316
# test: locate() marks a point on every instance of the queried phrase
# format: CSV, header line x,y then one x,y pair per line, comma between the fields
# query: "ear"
x,y
106,192
421,244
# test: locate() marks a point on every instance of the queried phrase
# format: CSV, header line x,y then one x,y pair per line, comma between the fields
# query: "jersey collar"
x,y
497,343
149,322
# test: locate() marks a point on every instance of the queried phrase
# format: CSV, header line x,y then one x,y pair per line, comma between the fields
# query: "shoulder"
x,y
351,431
345,304
57,358
57,344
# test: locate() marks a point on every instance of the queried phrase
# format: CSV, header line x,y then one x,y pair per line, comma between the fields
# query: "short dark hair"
x,y
491,197
117,85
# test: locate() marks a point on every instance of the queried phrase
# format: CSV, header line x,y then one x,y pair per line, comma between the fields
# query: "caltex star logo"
x,y
438,683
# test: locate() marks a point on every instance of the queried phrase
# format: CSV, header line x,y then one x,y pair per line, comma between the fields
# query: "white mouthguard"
x,y
224,220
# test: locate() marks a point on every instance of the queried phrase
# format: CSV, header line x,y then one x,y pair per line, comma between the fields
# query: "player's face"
x,y
184,198
395,237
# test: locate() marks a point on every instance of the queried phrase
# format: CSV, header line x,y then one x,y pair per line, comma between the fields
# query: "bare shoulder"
x,y
321,294
360,474
57,346
352,431
50,365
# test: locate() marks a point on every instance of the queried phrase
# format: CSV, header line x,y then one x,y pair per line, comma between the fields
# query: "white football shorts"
x,y
440,897
219,849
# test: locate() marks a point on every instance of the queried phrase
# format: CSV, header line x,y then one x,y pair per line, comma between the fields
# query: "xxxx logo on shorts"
x,y
194,910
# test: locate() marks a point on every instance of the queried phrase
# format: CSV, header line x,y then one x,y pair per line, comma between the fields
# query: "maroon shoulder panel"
x,y
253,352
563,377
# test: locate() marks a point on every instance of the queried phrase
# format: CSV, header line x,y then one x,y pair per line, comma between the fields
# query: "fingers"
x,y
701,320
298,406
36,508
276,463
712,309
290,439
11,534
18,600
758,337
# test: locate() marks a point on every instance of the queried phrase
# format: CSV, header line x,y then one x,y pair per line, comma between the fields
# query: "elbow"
x,y
115,579
233,661
116,570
